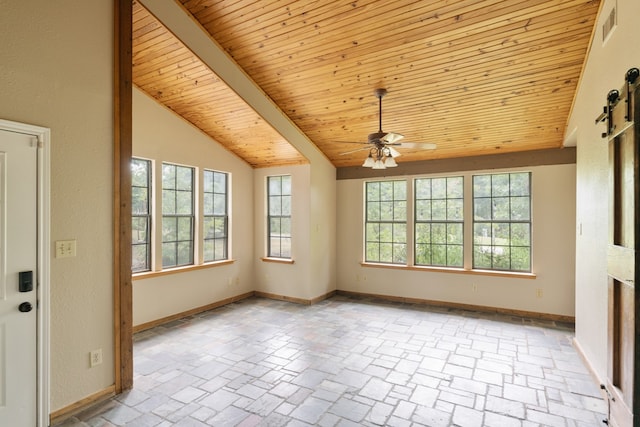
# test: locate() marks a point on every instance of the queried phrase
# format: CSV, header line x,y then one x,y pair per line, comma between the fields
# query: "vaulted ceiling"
x,y
474,77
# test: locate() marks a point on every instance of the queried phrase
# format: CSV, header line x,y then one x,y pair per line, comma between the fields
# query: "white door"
x,y
18,257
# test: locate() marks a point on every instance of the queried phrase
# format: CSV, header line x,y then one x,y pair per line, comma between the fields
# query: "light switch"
x,y
65,248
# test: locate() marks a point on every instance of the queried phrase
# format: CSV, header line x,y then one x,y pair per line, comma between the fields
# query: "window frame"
x,y
175,215
448,222
395,224
148,216
271,235
526,223
224,217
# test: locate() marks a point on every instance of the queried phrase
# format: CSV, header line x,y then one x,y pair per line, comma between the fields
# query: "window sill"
x,y
496,273
278,260
177,270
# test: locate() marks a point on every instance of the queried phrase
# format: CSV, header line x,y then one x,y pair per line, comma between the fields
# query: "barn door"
x,y
623,127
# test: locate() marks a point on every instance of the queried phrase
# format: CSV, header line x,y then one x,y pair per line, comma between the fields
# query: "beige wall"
x,y
56,72
553,234
605,69
160,135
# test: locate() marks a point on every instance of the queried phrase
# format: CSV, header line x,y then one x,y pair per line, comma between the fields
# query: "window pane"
x,y
439,255
139,258
185,253
455,210
220,183
520,183
423,255
386,211
439,210
423,188
454,234
399,190
219,204
208,181
423,233
500,208
220,249
184,178
455,188
168,177
520,259
139,201
168,202
208,225
169,229
386,190
399,233
501,257
185,228
286,205
220,228
169,256
454,256
439,232
207,250
275,185
482,209
520,234
482,186
500,185
286,185
373,191
423,210
482,257
140,172
373,232
207,202
520,210
285,247
139,230
185,202
399,210
275,208
373,211
439,188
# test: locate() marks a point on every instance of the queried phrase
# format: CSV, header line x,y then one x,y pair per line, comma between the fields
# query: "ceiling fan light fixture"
x,y
368,163
379,164
390,162
394,153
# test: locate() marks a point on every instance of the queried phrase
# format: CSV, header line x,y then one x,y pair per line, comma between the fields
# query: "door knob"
x,y
25,307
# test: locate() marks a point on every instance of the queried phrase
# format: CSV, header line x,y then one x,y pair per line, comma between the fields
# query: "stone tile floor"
x,y
353,362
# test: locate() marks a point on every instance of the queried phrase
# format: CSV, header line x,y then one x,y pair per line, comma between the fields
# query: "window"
x,y
386,222
141,215
502,221
215,216
177,215
439,226
279,216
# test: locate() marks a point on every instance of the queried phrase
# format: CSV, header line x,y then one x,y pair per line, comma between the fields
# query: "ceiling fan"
x,y
381,144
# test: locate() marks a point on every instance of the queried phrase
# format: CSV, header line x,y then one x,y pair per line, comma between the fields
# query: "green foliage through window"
x,y
279,216
177,215
439,226
216,217
386,222
140,215
502,221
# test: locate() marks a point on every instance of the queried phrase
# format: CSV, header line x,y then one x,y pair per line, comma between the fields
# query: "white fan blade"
x,y
419,145
391,137
355,151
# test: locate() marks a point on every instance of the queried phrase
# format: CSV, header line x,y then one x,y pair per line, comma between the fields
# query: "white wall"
x,y
605,69
553,229
56,72
162,136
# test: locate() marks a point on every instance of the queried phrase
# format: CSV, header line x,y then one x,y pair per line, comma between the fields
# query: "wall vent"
x,y
609,24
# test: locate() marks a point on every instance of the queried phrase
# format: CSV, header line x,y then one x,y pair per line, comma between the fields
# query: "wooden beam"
x,y
122,144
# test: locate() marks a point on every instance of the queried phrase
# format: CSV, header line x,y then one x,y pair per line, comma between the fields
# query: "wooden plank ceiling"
x,y
474,77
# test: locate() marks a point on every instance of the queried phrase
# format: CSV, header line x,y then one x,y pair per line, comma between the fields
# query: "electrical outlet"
x,y
474,287
539,292
95,357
